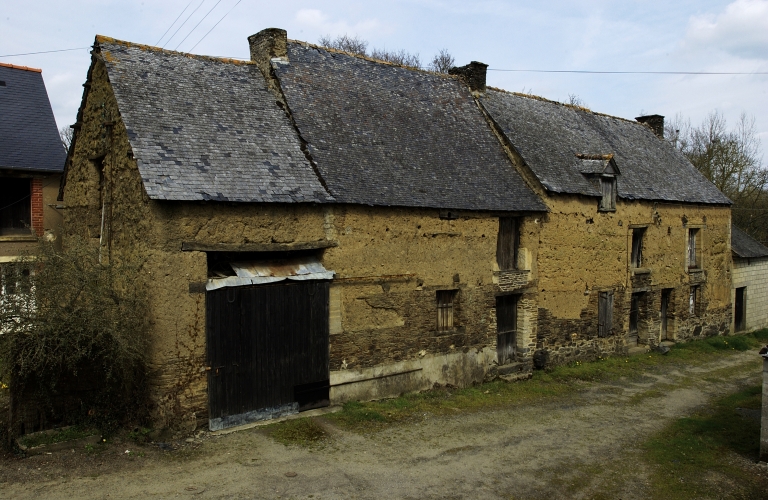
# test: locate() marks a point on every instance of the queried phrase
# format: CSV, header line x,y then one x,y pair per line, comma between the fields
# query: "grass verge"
x,y
301,431
698,456
560,381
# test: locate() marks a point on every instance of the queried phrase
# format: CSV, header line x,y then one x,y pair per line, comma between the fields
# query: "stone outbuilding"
x,y
31,162
317,227
750,282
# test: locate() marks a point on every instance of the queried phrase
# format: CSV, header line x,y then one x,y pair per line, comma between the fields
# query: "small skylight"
x,y
2,83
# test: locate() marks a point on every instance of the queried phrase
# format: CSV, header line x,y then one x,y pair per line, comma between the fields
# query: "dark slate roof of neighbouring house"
x,y
385,135
549,135
746,247
29,138
203,128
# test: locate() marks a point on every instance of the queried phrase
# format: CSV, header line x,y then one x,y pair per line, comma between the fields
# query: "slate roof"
x,y
549,135
206,129
746,247
386,135
29,138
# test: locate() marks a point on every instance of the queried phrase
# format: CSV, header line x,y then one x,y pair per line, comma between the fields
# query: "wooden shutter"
x,y
637,247
506,245
605,314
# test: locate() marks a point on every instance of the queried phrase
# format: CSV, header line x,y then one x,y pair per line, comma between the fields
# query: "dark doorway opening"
x,y
740,309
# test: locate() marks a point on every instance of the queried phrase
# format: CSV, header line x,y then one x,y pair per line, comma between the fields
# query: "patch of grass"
x,y
698,447
301,431
59,436
560,381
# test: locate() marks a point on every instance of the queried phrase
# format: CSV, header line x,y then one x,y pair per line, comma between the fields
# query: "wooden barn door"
x,y
267,350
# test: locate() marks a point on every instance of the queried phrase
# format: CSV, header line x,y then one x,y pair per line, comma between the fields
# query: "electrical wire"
x,y
44,52
174,22
217,23
182,24
198,24
590,72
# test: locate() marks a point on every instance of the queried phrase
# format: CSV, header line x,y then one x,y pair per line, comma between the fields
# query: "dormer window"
x,y
608,190
601,170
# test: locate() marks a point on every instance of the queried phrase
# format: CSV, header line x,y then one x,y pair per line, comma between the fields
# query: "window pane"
x,y
15,206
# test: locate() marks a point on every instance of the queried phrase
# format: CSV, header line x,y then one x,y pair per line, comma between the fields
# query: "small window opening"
x,y
694,299
445,300
608,190
2,83
637,247
634,313
605,314
694,252
506,327
507,243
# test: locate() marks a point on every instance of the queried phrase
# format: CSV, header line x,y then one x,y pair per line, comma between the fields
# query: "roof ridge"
x,y
108,39
24,68
368,58
572,106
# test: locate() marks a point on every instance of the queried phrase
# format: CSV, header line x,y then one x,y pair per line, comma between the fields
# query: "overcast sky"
x,y
602,35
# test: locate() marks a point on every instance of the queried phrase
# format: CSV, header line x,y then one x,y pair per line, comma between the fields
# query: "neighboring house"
x,y
31,162
317,227
750,282
635,247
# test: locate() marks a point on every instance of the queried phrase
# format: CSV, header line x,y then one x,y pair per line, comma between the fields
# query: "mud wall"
x,y
389,264
584,251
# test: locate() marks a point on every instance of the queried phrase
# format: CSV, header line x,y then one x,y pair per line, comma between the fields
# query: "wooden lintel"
x,y
256,247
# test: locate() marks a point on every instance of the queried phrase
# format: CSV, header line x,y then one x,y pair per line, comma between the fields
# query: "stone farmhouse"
x,y
317,227
31,162
750,282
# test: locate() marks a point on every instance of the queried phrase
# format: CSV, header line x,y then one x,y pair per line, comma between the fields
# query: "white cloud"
x,y
741,30
321,23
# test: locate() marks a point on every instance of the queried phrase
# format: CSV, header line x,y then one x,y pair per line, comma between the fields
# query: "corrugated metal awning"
x,y
262,272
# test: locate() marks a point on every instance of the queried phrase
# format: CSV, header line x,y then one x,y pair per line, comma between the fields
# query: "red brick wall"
x,y
37,206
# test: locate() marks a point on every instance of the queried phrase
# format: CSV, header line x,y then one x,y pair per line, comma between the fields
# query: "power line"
x,y
591,72
198,24
174,22
182,24
44,52
217,23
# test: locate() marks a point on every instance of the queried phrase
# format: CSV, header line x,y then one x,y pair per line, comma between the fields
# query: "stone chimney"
x,y
473,74
266,45
656,122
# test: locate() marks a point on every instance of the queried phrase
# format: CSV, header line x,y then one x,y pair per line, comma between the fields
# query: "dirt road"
x,y
582,446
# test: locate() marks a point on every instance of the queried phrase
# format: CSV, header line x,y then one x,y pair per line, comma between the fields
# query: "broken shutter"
x,y
605,314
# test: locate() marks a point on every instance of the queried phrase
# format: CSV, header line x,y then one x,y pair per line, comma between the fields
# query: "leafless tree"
x,y
732,160
442,62
66,133
399,57
575,100
351,44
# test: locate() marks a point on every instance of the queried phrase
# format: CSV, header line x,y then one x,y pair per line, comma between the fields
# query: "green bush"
x,y
71,322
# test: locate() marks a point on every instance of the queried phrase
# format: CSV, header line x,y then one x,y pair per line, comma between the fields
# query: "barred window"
x,y
445,299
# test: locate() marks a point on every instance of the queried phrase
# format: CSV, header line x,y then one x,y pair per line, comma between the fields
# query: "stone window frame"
x,y
445,301
693,247
694,301
636,248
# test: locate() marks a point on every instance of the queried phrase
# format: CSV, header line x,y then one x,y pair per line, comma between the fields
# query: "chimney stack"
x,y
656,122
266,45
473,74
